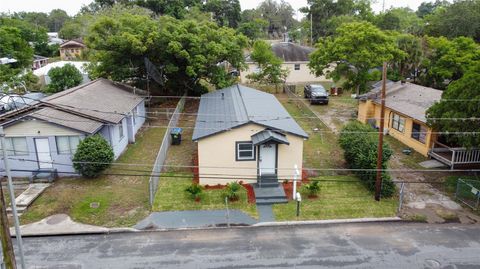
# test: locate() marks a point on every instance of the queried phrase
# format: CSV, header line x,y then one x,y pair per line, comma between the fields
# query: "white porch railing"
x,y
454,156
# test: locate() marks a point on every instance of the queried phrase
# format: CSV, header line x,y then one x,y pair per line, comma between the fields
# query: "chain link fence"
x,y
468,192
162,153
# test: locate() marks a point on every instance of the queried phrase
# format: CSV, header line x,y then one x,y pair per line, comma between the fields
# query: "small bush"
x,y
312,189
360,147
93,155
231,191
194,191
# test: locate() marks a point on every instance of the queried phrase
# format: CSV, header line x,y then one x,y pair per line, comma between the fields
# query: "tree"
x,y
269,65
356,48
12,45
322,11
188,52
447,60
63,78
407,64
427,8
400,19
77,27
278,14
57,18
460,100
253,29
462,18
93,155
225,12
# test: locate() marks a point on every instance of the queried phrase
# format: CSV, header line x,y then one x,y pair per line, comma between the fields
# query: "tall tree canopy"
x,y
270,69
224,12
62,78
400,19
461,101
356,48
462,18
427,8
279,15
406,65
186,51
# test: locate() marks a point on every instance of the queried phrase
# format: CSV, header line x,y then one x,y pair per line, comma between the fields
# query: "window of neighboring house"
x,y
72,50
297,66
16,146
67,144
120,130
419,132
398,123
245,151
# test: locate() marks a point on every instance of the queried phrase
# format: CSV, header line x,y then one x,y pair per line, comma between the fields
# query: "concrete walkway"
x,y
265,213
194,219
28,196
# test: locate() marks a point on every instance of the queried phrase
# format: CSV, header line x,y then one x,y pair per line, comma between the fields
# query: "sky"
x,y
73,6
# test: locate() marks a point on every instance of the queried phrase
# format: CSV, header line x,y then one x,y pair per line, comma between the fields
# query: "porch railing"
x,y
454,156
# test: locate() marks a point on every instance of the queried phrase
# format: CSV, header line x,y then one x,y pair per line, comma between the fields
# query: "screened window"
x,y
297,66
245,151
67,144
120,130
16,146
419,132
398,123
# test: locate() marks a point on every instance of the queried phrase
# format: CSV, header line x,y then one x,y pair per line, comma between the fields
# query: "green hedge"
x,y
360,147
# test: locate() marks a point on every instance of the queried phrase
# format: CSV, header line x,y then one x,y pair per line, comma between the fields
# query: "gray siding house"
x,y
44,135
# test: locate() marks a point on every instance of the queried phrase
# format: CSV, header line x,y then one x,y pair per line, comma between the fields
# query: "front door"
x,y
267,159
43,153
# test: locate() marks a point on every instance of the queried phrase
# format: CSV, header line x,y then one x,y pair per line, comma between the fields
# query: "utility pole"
x,y
18,234
6,240
378,182
311,27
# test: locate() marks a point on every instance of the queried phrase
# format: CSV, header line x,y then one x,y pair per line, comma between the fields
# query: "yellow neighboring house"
x,y
405,107
71,50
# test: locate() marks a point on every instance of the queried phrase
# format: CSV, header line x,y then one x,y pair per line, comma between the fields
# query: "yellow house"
x,y
405,107
295,59
246,134
71,50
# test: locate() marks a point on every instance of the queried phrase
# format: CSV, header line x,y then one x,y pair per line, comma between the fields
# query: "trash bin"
x,y
176,134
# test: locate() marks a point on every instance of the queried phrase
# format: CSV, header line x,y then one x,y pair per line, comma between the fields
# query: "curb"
x,y
260,224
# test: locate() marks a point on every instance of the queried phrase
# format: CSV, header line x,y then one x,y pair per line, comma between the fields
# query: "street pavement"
x,y
361,245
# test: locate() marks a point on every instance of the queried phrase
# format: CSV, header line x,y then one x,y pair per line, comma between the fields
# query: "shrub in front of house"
x,y
232,191
311,189
93,155
194,191
360,144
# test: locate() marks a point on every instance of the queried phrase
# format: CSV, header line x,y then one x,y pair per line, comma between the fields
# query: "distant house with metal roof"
x,y
295,58
43,135
405,113
246,134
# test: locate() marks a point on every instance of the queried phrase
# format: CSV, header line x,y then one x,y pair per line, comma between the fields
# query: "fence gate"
x,y
468,192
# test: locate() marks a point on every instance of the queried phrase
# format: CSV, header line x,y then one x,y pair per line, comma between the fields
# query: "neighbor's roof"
x,y
289,52
238,105
67,119
102,99
45,69
407,98
73,43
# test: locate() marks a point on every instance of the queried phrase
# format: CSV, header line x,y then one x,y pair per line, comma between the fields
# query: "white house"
x,y
44,135
295,59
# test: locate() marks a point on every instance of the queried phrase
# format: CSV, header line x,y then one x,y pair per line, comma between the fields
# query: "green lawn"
x,y
171,196
338,200
122,199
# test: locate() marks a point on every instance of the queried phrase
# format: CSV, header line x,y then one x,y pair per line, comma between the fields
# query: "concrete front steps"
x,y
270,195
28,196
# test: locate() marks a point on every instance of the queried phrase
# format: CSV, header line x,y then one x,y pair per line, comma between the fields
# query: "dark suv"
x,y
316,94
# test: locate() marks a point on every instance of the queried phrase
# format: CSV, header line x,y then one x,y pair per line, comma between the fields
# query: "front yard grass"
x,y
171,196
340,197
122,198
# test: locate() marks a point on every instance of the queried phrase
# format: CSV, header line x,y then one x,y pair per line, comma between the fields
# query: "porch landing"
x,y
270,195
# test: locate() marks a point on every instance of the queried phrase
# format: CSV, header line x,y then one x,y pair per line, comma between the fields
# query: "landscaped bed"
x,y
339,197
117,198
171,196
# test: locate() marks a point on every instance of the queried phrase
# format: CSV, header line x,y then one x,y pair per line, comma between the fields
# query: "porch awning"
x,y
269,136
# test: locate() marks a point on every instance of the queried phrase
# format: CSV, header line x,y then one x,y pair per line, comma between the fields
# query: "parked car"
x,y
316,94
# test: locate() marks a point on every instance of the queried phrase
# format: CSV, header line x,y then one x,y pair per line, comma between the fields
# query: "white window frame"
x,y
11,147
71,150
238,151
398,123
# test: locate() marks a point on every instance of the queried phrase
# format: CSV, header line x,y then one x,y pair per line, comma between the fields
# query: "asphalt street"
x,y
378,245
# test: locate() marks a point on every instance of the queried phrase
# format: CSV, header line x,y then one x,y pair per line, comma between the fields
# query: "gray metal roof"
x,y
101,98
406,98
238,105
67,119
291,52
269,136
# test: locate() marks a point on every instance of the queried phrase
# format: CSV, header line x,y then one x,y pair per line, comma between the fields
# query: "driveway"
x,y
380,245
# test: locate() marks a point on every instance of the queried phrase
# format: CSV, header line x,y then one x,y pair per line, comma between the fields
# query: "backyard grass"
x,y
109,200
340,197
411,161
171,196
